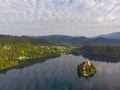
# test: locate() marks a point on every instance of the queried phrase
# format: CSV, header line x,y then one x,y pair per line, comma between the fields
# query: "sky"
x,y
64,17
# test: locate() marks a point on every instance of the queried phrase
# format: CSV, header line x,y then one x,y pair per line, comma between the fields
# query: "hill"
x,y
60,39
99,52
17,51
115,35
7,39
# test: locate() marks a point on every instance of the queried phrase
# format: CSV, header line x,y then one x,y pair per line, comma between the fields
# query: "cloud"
x,y
97,10
85,13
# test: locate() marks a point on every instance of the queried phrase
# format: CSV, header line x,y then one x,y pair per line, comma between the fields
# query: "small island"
x,y
86,69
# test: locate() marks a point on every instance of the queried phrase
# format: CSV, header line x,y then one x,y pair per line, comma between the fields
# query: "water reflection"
x,y
26,63
102,58
3,72
81,76
61,74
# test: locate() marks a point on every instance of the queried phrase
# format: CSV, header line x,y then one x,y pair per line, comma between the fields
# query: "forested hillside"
x,y
11,55
7,39
62,39
15,49
99,52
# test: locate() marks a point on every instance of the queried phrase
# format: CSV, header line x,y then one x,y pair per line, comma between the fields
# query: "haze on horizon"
x,y
64,17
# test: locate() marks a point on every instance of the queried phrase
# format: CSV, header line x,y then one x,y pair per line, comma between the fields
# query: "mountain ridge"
x,y
81,40
58,39
114,35
8,39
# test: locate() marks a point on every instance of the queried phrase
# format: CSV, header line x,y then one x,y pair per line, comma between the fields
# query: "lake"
x,y
61,74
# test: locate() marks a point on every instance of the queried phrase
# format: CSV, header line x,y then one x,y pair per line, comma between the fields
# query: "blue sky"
x,y
68,17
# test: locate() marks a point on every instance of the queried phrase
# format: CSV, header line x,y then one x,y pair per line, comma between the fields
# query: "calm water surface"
x,y
61,74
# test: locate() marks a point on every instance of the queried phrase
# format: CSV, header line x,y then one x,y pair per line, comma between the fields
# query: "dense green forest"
x,y
7,39
99,52
14,49
26,51
11,54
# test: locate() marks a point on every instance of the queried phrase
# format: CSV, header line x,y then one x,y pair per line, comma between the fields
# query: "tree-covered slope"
x,y
7,39
15,50
13,55
99,52
80,40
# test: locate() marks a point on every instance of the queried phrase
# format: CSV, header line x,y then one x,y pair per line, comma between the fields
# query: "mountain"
x,y
115,35
7,39
58,38
62,39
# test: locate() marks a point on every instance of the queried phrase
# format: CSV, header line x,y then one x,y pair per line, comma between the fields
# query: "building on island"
x,y
88,62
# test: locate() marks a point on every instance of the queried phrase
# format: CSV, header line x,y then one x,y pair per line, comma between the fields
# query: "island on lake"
x,y
86,69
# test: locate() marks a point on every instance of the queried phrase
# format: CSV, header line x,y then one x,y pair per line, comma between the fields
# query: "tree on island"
x,y
86,69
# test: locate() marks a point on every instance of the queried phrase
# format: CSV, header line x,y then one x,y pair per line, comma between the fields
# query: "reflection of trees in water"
x,y
22,64
102,58
26,63
99,52
3,72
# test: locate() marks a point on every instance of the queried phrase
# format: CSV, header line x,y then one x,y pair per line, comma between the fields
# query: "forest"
x,y
99,52
11,54
15,49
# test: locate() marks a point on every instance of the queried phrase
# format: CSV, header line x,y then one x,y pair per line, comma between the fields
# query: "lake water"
x,y
61,74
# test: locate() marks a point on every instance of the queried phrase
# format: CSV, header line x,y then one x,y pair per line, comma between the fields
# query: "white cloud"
x,y
107,18
61,11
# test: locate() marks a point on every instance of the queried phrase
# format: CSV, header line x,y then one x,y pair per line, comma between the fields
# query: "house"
x,y
88,62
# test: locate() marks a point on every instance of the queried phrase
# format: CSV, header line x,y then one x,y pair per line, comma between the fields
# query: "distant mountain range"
x,y
115,35
63,39
106,39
